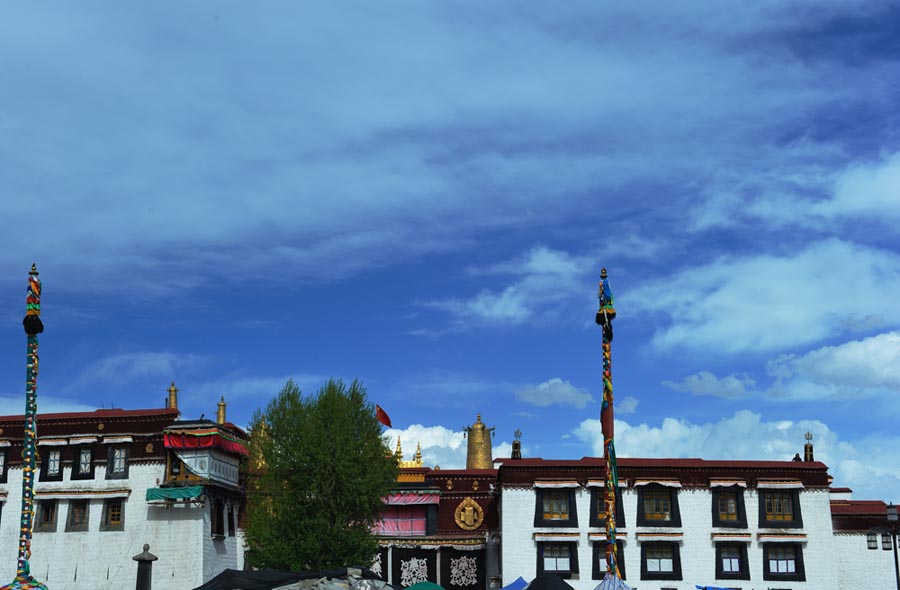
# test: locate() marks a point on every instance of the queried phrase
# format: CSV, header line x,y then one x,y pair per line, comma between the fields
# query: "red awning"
x,y
204,439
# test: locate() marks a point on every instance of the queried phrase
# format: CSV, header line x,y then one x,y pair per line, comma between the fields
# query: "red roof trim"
x,y
96,415
625,462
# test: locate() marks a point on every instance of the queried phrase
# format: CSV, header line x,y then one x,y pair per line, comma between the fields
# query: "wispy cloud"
x,y
771,302
858,367
543,279
705,383
627,405
126,367
554,391
866,190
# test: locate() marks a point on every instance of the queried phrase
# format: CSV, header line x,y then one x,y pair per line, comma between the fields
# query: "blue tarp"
x,y
611,582
699,587
517,584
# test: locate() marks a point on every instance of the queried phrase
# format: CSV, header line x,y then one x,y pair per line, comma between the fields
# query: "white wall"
x,y
859,567
178,535
519,549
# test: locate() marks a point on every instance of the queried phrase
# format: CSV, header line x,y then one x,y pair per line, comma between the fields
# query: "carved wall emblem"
x,y
449,484
468,515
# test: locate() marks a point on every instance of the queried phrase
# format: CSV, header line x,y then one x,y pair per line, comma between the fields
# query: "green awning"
x,y
181,493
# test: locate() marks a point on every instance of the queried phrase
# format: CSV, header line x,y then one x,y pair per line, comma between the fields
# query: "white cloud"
x,y
554,392
868,465
544,279
440,446
705,383
262,388
123,367
860,366
866,190
772,302
626,405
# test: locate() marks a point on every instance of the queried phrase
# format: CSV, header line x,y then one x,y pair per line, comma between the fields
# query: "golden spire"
x,y
399,452
220,413
418,456
478,455
173,397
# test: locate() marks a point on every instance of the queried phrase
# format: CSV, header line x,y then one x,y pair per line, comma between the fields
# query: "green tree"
x,y
315,487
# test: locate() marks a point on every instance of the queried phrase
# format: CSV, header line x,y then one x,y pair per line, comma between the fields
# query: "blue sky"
x,y
421,195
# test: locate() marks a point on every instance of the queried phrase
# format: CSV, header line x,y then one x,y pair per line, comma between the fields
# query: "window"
x,y
599,560
51,465
2,466
83,463
230,521
660,561
728,507
558,558
872,541
117,463
555,508
598,508
46,516
731,561
113,515
556,505
78,516
217,519
780,509
783,561
658,506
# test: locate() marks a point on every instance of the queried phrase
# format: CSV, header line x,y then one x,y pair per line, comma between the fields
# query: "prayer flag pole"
x,y
33,327
605,315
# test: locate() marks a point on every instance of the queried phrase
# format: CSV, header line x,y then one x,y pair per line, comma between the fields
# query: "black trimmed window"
x,y
51,464
46,516
557,558
217,519
230,520
728,507
77,518
780,509
783,561
3,467
658,506
117,462
731,561
660,560
598,561
113,515
555,508
82,462
598,508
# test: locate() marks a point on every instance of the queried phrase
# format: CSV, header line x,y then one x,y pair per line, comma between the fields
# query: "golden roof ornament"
x,y
478,453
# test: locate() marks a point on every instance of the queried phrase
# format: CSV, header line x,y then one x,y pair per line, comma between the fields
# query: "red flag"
x,y
382,416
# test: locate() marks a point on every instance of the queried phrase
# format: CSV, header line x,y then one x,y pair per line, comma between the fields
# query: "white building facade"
x,y
681,523
106,487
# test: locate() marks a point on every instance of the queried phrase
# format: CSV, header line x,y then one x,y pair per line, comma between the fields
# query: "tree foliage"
x,y
318,478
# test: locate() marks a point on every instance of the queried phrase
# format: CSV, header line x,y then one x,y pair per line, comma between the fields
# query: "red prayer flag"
x,y
382,416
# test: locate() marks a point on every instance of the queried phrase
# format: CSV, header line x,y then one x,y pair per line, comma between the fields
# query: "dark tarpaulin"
x,y
269,579
549,582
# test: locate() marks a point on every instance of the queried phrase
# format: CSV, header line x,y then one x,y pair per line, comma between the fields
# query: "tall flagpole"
x,y
605,315
33,327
